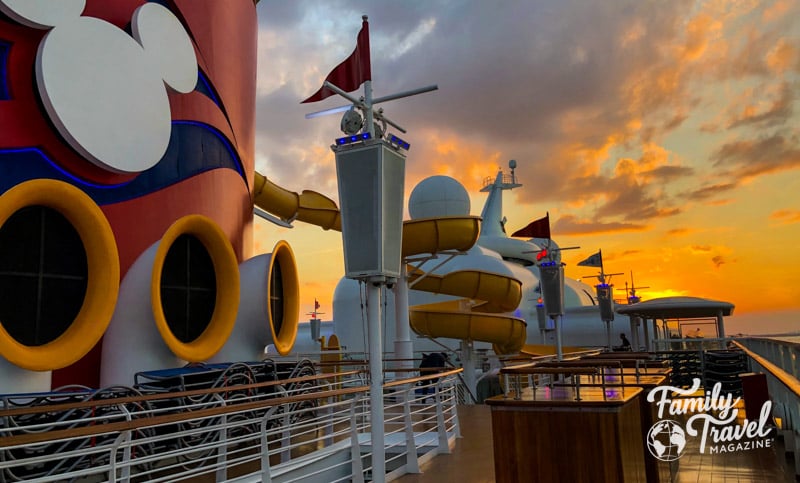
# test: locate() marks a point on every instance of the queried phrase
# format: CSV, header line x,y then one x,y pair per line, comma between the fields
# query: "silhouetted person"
x,y
434,362
626,344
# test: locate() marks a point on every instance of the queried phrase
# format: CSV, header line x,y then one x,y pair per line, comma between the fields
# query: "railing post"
x,y
412,461
454,408
355,445
222,452
703,366
444,446
266,474
123,437
286,436
328,430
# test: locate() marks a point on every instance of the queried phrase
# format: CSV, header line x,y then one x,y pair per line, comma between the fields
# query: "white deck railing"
x,y
313,428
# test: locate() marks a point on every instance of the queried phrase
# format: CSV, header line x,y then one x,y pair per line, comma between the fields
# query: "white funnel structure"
x,y
269,308
143,334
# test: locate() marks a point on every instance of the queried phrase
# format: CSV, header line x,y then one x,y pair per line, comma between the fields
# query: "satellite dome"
x,y
438,196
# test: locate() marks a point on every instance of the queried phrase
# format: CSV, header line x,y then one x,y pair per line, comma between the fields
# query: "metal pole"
x,y
368,103
559,351
608,333
376,381
645,321
378,100
468,363
403,347
400,95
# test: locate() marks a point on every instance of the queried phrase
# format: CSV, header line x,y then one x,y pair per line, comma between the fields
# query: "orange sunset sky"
x,y
664,133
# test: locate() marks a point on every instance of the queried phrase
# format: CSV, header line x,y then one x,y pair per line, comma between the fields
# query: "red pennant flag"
x,y
316,304
536,229
351,73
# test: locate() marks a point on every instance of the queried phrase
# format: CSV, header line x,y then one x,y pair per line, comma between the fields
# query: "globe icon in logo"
x,y
666,440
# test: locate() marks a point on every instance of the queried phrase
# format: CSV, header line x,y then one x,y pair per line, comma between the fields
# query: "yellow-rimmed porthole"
x,y
283,297
195,288
59,274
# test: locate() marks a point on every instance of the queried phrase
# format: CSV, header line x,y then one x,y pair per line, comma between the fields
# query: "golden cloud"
x,y
785,216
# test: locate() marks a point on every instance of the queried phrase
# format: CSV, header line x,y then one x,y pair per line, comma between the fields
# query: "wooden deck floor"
x,y
472,459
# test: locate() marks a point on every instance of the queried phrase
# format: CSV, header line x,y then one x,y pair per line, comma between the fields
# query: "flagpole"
x,y
368,98
602,271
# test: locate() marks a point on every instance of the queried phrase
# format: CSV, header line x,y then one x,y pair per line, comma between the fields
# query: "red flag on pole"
x,y
536,229
351,73
316,304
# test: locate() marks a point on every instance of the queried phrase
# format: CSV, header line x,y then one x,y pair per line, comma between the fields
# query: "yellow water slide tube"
x,y
487,296
309,206
479,316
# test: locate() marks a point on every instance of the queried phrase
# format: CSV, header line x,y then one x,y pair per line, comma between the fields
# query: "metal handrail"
x,y
790,382
264,431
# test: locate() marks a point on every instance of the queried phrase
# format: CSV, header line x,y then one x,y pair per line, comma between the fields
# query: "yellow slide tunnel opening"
x,y
283,297
59,274
195,288
269,307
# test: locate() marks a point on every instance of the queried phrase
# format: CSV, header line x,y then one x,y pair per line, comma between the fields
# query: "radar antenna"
x,y
631,292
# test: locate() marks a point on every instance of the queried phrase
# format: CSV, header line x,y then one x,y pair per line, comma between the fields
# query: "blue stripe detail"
x,y
193,149
204,87
5,49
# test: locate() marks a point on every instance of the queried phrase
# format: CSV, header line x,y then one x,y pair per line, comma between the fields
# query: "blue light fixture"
x,y
399,142
352,139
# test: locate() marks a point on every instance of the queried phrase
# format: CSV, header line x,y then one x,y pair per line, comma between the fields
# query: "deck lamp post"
x,y
370,171
552,281
606,304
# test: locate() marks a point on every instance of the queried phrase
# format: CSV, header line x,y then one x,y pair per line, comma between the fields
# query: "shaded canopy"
x,y
677,308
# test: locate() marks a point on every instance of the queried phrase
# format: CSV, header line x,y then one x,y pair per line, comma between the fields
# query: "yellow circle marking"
x,y
226,271
284,340
102,286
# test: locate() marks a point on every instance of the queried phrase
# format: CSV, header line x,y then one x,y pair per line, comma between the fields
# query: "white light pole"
x,y
370,170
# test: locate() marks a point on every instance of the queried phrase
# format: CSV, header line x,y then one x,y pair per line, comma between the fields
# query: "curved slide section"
x,y
432,235
309,206
497,293
477,317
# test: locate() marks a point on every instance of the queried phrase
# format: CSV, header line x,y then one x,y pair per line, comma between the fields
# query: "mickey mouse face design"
x,y
103,89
